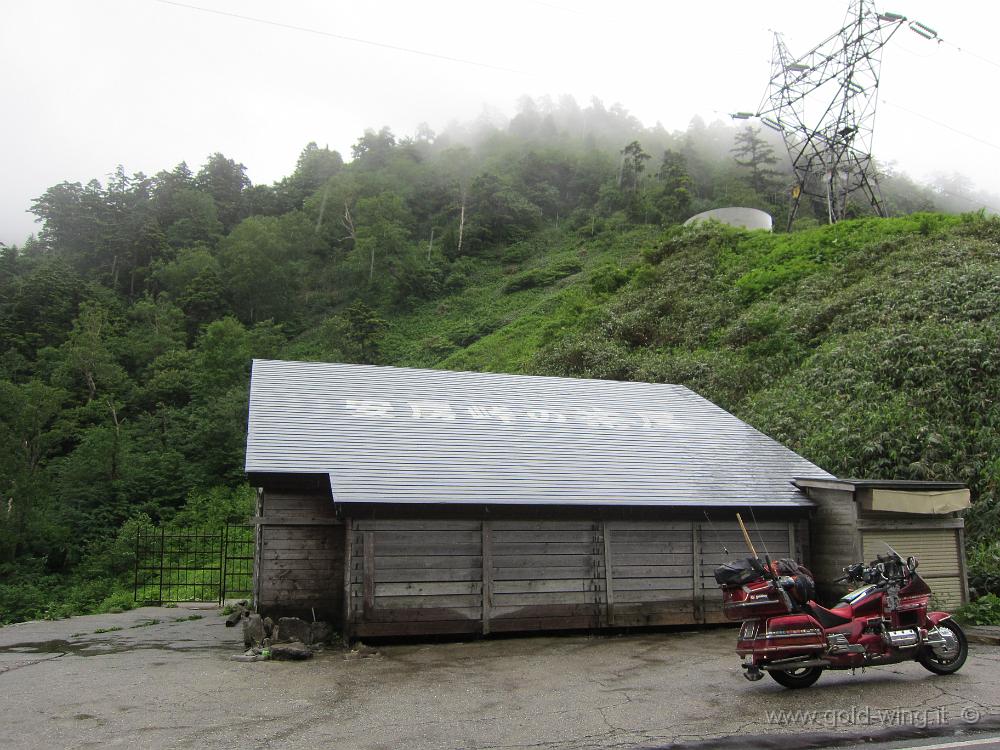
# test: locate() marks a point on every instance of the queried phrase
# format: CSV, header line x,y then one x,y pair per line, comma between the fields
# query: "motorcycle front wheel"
x,y
946,663
796,678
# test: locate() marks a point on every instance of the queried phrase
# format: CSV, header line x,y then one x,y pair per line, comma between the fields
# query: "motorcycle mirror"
x,y
881,569
911,563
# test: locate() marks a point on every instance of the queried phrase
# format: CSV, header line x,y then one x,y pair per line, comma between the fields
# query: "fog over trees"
x,y
127,324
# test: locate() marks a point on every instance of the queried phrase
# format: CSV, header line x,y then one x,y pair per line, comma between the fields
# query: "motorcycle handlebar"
x,y
877,572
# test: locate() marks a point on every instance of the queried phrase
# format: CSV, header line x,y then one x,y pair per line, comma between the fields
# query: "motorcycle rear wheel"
x,y
949,665
796,678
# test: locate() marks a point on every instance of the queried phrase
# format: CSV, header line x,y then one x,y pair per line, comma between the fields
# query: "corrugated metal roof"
x,y
399,435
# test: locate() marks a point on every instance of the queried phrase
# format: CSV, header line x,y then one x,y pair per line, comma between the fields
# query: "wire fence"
x,y
177,565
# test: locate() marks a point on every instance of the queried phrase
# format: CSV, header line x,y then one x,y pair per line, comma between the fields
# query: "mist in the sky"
x,y
150,83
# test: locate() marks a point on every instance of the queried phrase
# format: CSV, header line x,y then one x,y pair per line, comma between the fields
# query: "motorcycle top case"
x,y
755,599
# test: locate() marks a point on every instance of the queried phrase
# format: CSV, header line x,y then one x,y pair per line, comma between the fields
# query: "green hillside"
x,y
552,246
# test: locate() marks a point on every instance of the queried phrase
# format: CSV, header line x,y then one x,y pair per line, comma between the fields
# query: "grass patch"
x,y
112,629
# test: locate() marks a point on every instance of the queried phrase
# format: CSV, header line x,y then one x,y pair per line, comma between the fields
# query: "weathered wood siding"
x,y
652,573
835,539
300,555
772,538
545,575
415,576
422,576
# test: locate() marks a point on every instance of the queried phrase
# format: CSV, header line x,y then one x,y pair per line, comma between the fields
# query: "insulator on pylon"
x,y
891,17
797,67
856,88
741,115
771,124
925,31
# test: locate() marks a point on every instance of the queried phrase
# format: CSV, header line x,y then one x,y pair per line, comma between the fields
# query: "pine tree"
x,y
754,153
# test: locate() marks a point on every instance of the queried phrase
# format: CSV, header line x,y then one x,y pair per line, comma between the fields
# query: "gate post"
x,y
135,569
162,553
223,562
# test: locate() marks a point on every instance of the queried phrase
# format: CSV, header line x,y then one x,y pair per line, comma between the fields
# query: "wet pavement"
x,y
153,678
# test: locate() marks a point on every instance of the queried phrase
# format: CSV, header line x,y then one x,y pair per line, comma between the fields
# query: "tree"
x,y
754,153
227,182
165,187
259,269
373,149
633,164
381,231
500,213
86,361
313,172
673,197
363,329
314,168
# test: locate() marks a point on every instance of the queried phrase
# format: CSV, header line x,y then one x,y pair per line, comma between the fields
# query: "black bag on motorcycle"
x,y
804,588
738,572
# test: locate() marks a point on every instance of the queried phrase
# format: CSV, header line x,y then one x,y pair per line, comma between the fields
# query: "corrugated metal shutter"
x,y
938,553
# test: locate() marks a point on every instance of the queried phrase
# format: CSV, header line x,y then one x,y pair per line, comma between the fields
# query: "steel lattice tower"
x,y
823,104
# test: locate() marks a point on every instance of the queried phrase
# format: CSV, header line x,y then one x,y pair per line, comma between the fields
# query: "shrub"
x,y
537,277
984,611
983,564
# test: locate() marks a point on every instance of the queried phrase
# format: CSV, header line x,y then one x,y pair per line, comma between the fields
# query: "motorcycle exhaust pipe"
x,y
781,666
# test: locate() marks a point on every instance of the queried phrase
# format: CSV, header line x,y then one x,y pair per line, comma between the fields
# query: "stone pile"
x,y
290,638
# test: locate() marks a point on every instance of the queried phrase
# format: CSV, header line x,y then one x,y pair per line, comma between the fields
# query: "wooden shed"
x,y
401,501
856,518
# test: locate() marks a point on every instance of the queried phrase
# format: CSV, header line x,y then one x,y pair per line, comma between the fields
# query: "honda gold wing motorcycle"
x,y
884,621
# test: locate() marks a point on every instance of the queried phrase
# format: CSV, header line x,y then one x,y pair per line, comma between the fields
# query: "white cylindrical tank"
x,y
736,216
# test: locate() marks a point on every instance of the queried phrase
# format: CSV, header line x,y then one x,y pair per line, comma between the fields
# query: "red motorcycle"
x,y
792,638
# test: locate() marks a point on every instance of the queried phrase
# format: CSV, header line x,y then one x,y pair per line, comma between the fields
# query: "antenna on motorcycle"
x,y
715,531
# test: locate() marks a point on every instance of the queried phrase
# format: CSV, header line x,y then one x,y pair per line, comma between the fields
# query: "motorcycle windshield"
x,y
853,596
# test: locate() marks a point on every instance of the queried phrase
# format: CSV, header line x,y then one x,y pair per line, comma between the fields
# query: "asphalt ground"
x,y
155,679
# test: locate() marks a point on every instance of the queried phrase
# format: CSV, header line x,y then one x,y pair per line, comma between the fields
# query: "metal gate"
x,y
179,565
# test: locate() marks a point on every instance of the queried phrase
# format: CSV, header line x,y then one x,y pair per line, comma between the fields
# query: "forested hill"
x,y
550,245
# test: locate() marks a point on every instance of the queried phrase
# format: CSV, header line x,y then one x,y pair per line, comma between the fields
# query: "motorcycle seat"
x,y
827,617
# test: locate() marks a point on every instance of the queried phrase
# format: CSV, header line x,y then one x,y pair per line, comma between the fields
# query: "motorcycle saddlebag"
x,y
738,572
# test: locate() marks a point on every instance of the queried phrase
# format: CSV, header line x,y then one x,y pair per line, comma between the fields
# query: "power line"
x,y
965,51
942,125
342,37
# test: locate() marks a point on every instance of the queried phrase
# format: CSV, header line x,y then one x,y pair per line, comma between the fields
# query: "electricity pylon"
x,y
823,104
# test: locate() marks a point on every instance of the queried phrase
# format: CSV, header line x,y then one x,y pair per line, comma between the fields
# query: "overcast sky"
x,y
89,84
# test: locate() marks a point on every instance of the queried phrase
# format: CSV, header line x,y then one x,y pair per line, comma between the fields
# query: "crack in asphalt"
x,y
4,670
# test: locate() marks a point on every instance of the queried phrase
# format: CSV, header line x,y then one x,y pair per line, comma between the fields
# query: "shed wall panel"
x,y
405,577
300,567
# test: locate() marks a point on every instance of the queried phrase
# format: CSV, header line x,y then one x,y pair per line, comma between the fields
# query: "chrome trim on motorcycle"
x,y
943,642
908,638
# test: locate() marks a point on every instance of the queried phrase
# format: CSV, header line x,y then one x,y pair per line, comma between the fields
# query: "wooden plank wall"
x,y
777,539
652,566
425,576
546,575
417,576
301,555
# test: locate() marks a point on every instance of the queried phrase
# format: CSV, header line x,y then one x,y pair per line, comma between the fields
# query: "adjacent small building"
x,y
398,501
855,519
